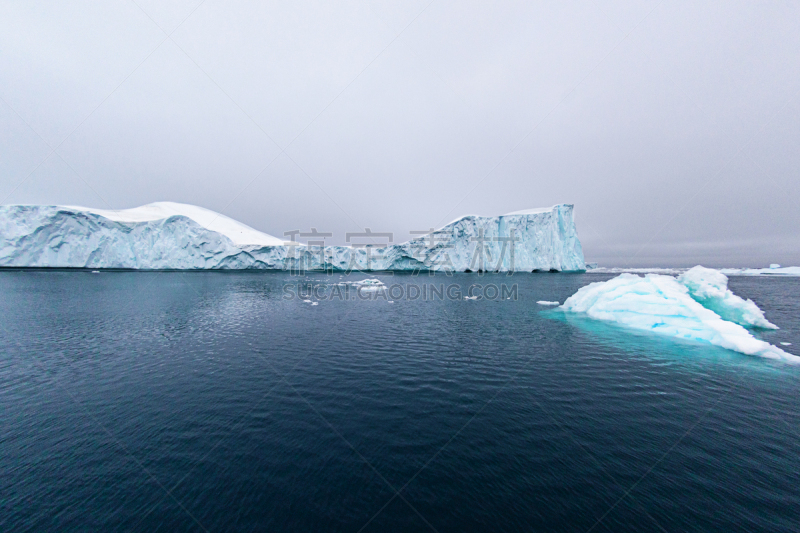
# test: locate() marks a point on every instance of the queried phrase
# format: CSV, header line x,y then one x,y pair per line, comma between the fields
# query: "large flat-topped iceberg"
x,y
696,306
167,235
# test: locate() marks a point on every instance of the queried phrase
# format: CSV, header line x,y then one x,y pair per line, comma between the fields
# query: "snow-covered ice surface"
x,y
240,234
534,211
167,235
666,306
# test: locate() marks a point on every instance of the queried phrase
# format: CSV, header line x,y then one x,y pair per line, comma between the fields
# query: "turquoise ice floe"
x,y
696,306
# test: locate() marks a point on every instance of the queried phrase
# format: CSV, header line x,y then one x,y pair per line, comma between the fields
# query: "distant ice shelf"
x,y
696,306
173,236
772,271
775,270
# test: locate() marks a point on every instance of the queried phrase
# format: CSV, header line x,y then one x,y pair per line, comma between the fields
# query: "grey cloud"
x,y
672,127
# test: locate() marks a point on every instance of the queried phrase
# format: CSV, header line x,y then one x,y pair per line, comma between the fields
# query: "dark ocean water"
x,y
207,401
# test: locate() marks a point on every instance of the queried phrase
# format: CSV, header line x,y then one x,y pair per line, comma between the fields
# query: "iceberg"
x,y
667,306
709,287
173,236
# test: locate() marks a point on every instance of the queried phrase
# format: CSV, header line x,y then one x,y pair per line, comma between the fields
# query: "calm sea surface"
x,y
211,402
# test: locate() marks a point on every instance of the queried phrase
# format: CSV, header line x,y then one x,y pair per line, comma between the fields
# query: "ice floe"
x,y
664,305
372,284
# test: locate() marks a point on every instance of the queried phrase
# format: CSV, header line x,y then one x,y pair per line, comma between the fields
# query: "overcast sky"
x,y
673,127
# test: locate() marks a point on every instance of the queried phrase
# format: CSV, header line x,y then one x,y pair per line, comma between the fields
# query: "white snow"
x,y
662,305
533,211
710,288
545,302
240,234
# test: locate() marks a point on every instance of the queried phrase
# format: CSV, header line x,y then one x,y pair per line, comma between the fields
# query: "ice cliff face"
x,y
177,236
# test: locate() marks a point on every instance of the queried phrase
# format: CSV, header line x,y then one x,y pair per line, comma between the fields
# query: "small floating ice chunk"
x,y
470,297
545,302
786,343
307,301
371,284
95,271
774,265
663,305
314,303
